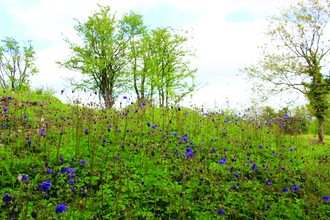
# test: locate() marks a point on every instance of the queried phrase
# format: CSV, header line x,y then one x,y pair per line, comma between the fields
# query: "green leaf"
x,y
6,167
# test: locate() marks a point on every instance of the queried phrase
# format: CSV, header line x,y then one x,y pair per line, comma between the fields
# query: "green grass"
x,y
131,176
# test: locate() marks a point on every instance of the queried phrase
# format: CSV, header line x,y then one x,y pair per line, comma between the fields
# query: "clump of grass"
x,y
157,163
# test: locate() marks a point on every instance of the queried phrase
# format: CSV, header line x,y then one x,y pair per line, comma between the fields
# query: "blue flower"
x,y
221,212
295,187
7,198
223,161
71,182
267,183
188,150
45,186
285,189
143,104
60,209
25,116
282,168
325,198
6,109
62,159
125,97
48,171
71,171
24,177
236,175
86,131
268,207
64,169
83,162
10,98
154,126
254,167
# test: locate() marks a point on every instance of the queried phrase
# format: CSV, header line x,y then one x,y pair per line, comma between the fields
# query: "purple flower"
x,y
83,162
60,209
325,198
285,189
45,186
24,177
223,161
25,116
221,212
267,183
48,171
236,175
7,198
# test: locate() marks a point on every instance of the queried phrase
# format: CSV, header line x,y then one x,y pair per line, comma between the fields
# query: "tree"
x,y
298,36
16,65
132,24
102,57
169,66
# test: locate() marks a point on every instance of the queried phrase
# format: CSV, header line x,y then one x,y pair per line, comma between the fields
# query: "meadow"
x,y
68,161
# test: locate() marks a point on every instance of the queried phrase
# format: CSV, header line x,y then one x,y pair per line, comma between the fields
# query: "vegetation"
x,y
124,55
301,49
74,162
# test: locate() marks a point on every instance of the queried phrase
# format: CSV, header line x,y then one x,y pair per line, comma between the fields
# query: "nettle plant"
x,y
142,162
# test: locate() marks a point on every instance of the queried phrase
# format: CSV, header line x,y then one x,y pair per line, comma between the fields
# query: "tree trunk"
x,y
321,130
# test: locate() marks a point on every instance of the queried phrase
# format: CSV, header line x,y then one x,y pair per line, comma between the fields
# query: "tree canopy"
x,y
122,55
16,64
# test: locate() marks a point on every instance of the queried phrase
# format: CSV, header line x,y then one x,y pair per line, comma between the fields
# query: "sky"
x,y
225,35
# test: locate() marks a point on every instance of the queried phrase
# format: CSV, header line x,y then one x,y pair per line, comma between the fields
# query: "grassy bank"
x,y
71,162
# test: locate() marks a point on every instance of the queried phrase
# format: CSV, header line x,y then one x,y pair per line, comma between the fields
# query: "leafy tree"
x,y
16,65
169,66
132,24
298,36
103,55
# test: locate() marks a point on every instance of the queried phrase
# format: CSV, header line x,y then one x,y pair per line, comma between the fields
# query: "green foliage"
x,y
298,36
119,56
16,65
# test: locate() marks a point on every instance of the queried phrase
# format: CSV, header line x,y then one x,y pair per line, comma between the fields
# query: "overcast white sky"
x,y
226,35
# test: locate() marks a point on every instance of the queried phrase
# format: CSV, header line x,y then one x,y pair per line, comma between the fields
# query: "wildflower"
x,y
143,104
325,198
236,175
221,212
6,109
285,189
282,168
71,182
62,159
24,177
10,98
267,183
60,209
175,134
7,198
268,207
223,161
125,97
142,182
72,170
86,131
154,126
34,214
295,187
48,171
25,116
254,167
45,186
148,123
5,126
